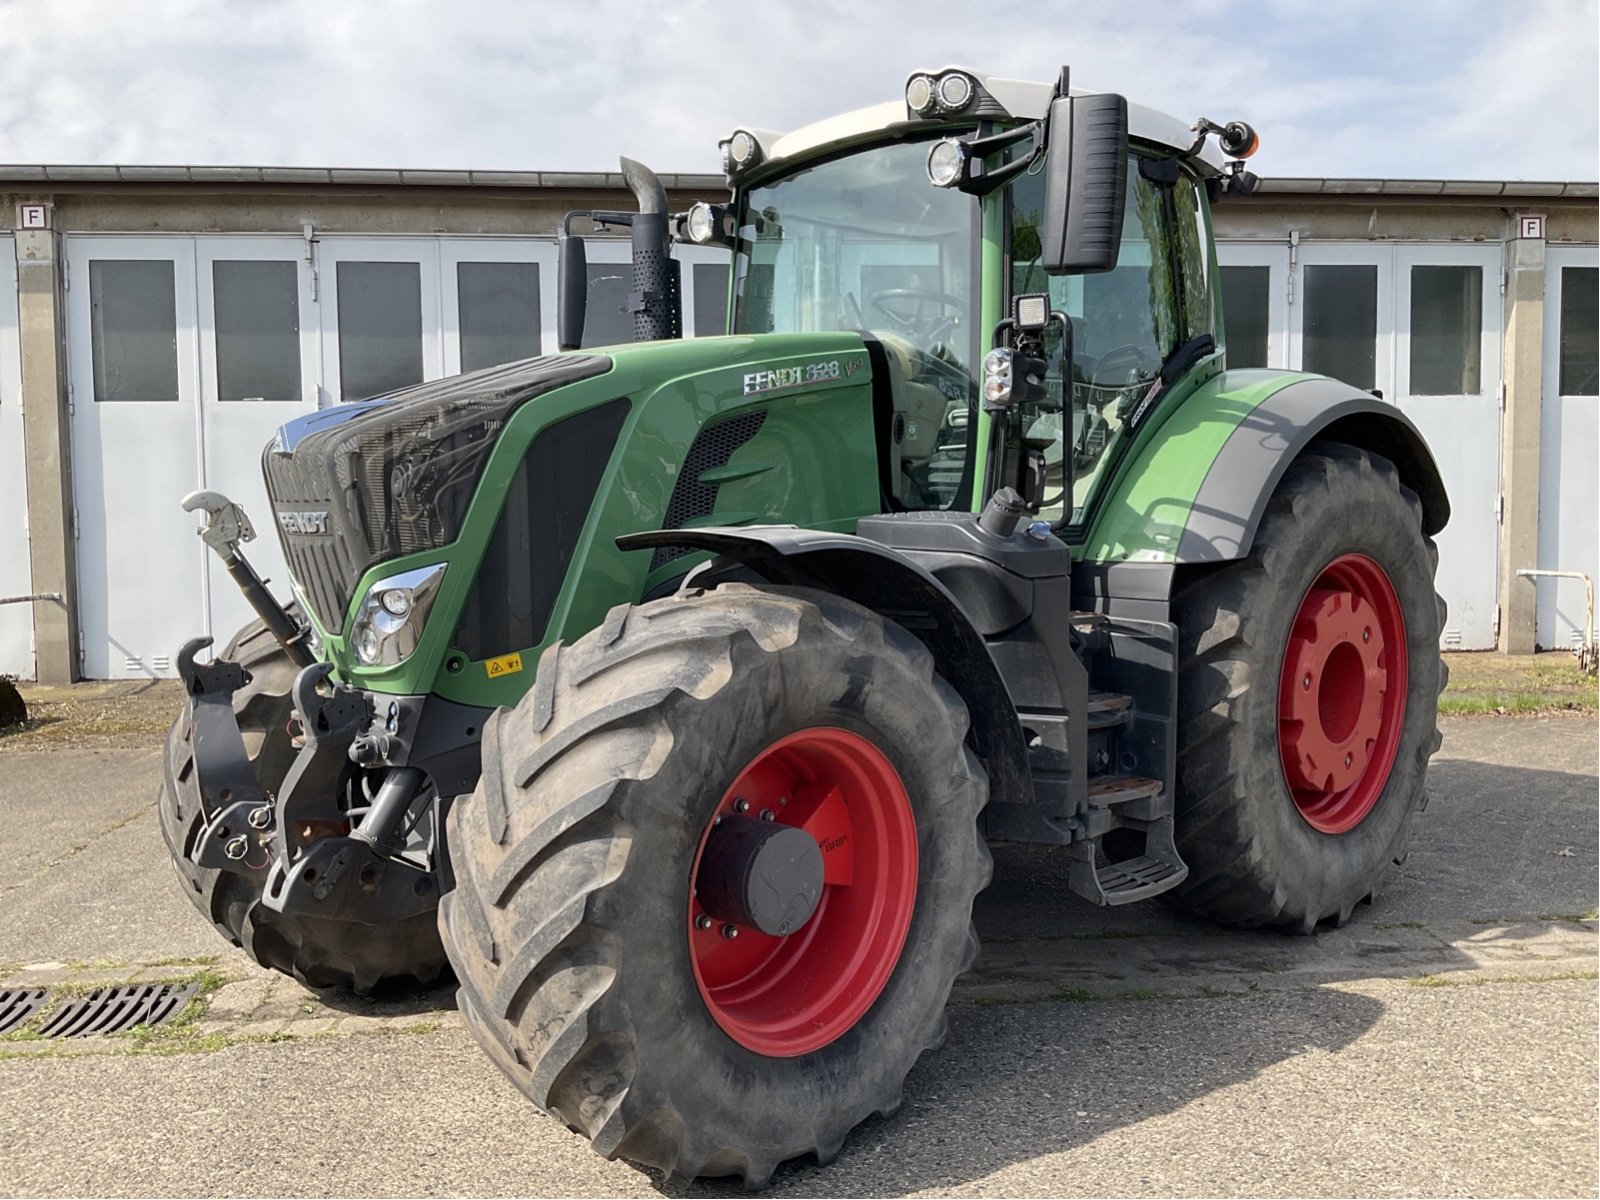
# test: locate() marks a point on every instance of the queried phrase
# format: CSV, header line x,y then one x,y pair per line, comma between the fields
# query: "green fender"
x,y
1194,483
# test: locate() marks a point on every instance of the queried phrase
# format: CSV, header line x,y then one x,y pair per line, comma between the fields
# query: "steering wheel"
x,y
1128,357
934,317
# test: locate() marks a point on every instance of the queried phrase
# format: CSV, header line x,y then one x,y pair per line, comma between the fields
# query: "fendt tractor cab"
x,y
674,692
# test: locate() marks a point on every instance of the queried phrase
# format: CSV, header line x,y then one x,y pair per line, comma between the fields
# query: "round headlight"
x,y
947,162
742,148
919,94
396,601
367,645
955,89
701,224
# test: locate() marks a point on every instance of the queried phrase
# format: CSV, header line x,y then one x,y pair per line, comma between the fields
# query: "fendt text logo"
x,y
304,522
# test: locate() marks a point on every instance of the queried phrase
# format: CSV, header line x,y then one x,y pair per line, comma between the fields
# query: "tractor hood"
x,y
407,474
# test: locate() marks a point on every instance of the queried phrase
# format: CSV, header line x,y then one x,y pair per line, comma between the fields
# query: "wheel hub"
x,y
760,874
802,892
1334,703
1341,696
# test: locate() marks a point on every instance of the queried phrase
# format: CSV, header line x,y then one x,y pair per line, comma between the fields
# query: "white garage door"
x,y
1420,324
1569,486
187,353
16,576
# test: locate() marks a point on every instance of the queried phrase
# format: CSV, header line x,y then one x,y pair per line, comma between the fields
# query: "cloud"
x,y
1464,89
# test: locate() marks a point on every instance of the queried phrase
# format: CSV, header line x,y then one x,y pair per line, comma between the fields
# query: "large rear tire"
x,y
589,971
1308,698
319,953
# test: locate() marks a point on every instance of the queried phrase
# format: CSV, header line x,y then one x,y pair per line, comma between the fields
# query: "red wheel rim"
x,y
786,996
1342,694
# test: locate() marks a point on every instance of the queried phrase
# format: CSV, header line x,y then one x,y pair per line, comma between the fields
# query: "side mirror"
x,y
1086,182
572,290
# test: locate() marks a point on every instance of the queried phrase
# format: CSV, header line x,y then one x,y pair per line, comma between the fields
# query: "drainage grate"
x,y
17,1005
111,1010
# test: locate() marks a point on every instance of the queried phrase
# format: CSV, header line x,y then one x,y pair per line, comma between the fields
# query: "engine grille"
x,y
691,499
320,563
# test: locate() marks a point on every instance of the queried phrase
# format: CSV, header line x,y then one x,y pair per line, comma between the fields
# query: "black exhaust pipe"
x,y
656,296
654,302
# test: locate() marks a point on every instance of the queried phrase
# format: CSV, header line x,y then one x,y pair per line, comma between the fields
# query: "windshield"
x,y
865,242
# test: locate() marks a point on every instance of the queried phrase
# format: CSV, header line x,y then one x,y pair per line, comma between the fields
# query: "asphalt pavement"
x,y
1443,1043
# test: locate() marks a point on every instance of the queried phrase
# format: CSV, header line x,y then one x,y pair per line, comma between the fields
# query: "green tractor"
x,y
672,694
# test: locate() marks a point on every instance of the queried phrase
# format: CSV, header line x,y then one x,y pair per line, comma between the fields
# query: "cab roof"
x,y
1020,100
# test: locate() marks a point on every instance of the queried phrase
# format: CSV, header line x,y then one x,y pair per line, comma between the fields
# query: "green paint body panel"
x,y
1145,501
813,463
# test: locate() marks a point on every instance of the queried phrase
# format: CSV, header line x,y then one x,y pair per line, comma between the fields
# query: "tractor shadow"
x,y
1080,1021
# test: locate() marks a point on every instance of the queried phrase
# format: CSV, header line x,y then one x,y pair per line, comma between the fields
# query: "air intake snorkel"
x,y
654,299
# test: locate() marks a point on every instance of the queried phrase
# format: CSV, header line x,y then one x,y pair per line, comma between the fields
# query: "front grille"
x,y
394,478
320,563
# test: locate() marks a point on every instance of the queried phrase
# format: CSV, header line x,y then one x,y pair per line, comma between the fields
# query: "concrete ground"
x,y
1444,1043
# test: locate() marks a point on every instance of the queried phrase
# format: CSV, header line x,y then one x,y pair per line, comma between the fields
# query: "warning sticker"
x,y
506,664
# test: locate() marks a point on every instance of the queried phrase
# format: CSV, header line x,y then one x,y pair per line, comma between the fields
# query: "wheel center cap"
x,y
760,874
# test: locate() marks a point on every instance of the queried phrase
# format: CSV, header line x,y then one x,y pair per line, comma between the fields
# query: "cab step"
x,y
1109,709
1106,790
1159,869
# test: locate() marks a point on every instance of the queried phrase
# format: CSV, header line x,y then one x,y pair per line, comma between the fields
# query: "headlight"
x,y
702,223
955,89
947,163
740,152
997,377
919,95
389,622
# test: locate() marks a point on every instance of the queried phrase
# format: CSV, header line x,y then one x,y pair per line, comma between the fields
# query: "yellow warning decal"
x,y
506,664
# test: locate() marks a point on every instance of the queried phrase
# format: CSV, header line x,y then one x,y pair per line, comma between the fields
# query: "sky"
x,y
1461,89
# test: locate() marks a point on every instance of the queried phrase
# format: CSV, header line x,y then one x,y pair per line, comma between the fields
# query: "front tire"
x,y
1308,698
588,970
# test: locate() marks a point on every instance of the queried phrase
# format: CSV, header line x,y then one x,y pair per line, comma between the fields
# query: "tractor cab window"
x,y
1125,323
864,243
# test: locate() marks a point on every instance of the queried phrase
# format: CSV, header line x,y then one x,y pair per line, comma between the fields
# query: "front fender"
x,y
897,589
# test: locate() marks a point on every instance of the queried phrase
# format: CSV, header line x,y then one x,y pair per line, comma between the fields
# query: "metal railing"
x,y
1588,654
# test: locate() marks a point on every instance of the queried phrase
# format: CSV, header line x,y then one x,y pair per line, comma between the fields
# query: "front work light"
x,y
703,224
955,89
947,163
919,95
389,623
740,152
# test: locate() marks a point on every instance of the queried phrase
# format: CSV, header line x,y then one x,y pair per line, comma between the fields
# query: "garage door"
x,y
1419,324
16,577
1569,486
187,353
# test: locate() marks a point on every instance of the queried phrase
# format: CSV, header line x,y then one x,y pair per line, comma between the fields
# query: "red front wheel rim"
x,y
1342,694
787,996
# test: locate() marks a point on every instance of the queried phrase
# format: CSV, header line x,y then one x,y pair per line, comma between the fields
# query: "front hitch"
x,y
225,529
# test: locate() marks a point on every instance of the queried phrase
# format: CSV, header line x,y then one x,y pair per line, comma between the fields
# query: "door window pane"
x,y
133,322
710,299
499,310
1341,323
1446,331
606,321
380,327
1580,331
257,306
1245,314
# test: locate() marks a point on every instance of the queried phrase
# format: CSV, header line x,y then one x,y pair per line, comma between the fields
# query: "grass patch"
x,y
1517,685
1437,981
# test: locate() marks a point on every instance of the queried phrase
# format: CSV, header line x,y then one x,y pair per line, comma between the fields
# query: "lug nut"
x,y
236,848
1306,682
767,814
1366,635
702,922
741,805
1348,760
730,931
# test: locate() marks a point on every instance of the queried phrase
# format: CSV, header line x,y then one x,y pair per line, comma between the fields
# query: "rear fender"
x,y
897,589
1197,486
